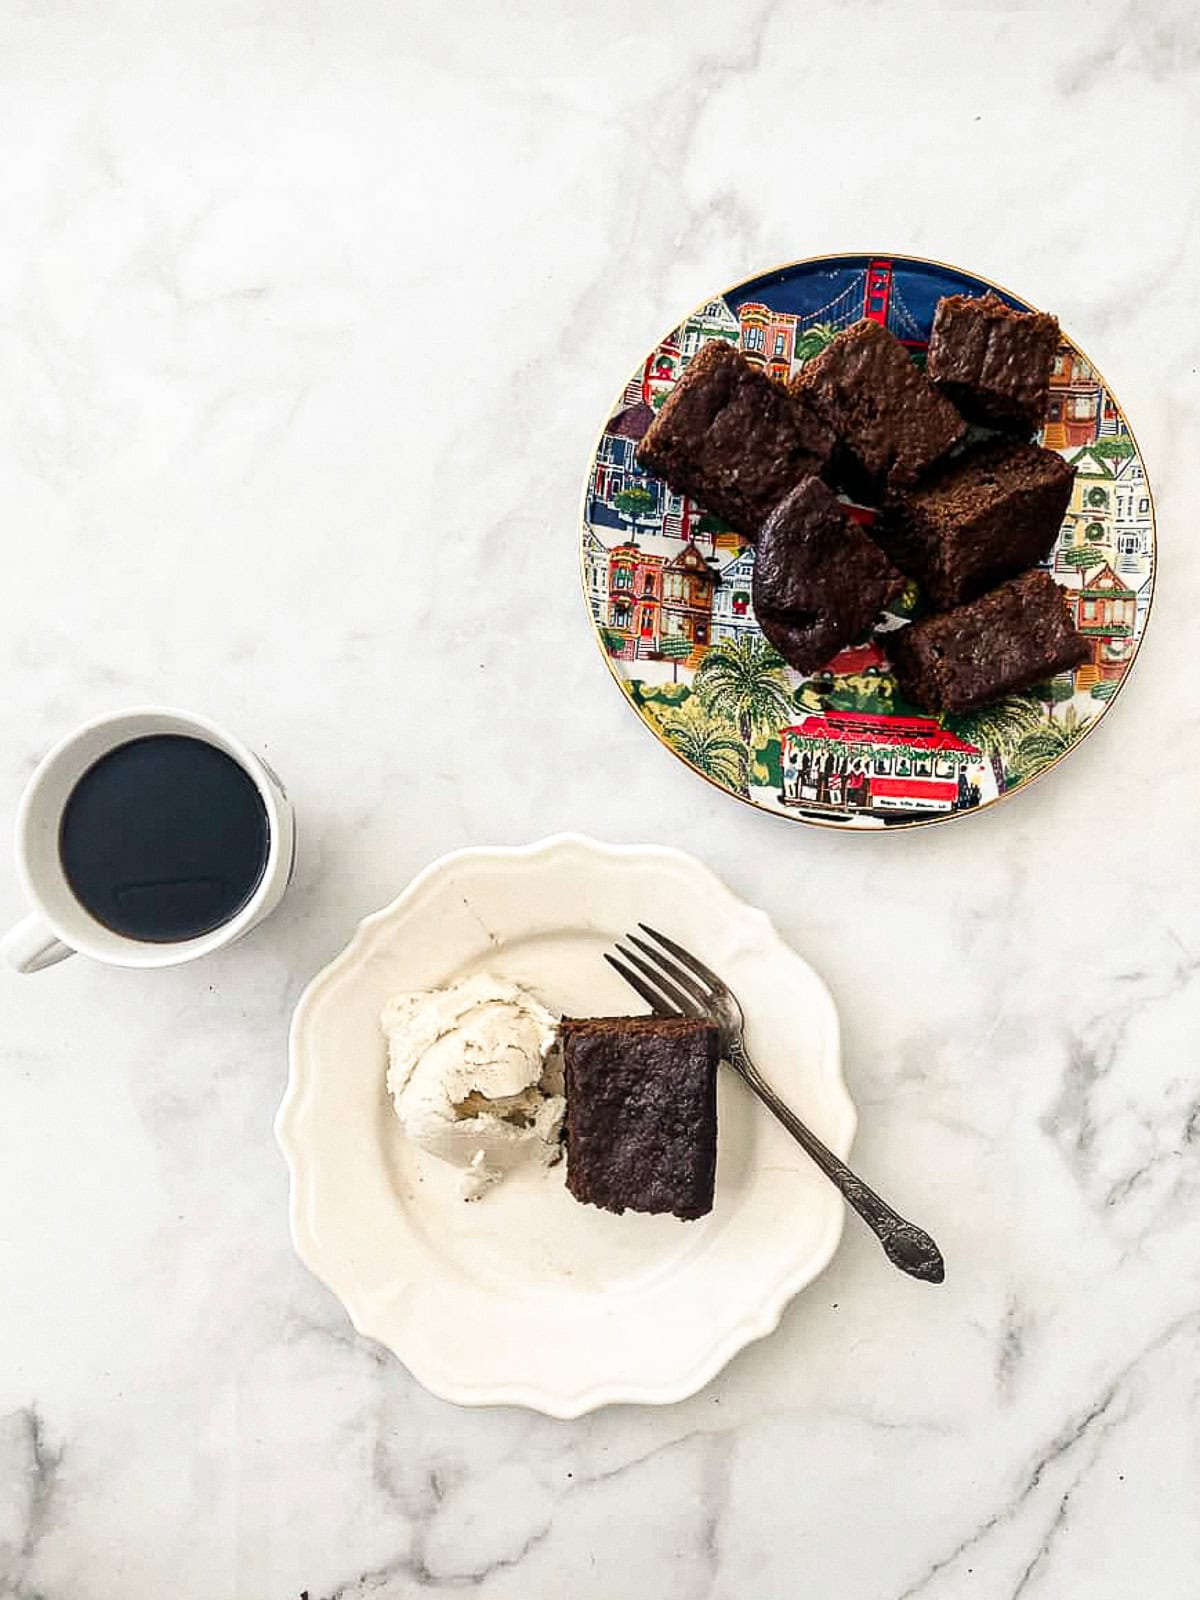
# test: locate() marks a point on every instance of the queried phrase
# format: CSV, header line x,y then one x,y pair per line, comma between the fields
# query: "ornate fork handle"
x,y
908,1247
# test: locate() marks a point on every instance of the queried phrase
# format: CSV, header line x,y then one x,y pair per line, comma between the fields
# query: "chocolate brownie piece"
x,y
819,581
979,518
641,1120
993,362
733,439
890,422
1017,636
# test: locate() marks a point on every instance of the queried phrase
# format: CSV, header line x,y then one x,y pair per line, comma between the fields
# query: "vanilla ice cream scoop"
x,y
474,1075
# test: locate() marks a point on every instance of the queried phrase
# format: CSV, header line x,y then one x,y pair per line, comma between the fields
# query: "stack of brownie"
x,y
967,518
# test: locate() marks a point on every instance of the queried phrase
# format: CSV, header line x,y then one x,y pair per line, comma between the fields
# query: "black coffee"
x,y
165,838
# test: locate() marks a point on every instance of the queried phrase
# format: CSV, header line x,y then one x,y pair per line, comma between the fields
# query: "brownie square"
x,y
890,421
641,1119
1017,636
819,581
993,362
979,518
733,439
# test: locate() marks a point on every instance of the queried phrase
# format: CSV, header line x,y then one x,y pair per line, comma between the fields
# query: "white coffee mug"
x,y
59,925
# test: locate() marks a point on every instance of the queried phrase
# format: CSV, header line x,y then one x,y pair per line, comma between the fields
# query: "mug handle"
x,y
31,945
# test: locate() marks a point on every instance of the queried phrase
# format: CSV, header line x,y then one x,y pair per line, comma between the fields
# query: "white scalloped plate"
x,y
526,1297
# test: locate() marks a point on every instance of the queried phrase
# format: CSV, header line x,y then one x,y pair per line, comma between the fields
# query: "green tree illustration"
x,y
634,504
708,744
1084,556
1055,691
1117,448
814,339
710,525
743,680
612,639
675,649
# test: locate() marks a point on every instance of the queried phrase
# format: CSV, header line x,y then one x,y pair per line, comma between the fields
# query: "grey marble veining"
x,y
308,316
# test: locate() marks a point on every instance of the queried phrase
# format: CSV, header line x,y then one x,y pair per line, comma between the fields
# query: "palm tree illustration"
x,y
709,745
814,339
1050,740
999,727
743,680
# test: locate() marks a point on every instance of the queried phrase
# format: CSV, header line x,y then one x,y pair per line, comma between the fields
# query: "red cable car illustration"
x,y
850,762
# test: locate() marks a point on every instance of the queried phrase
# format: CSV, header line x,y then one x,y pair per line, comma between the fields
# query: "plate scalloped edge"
x,y
756,1323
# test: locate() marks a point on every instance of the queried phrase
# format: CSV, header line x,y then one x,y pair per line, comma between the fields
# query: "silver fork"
x,y
686,987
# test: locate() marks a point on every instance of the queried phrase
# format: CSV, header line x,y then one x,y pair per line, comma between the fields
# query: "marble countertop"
x,y
308,316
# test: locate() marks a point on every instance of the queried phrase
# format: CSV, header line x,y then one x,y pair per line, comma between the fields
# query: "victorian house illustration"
x,y
634,597
1077,401
1104,609
1088,522
713,321
732,613
1109,520
616,468
1131,518
768,338
653,592
595,574
666,362
687,601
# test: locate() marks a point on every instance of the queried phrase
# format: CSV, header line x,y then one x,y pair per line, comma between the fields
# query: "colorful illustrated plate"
x,y
669,587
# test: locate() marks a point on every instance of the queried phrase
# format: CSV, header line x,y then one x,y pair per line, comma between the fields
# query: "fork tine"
x,y
672,969
681,1001
688,959
652,998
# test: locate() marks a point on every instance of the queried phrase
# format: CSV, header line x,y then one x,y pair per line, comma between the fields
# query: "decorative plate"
x,y
524,1296
668,586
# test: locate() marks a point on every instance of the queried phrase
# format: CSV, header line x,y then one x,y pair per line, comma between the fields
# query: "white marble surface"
x,y
308,315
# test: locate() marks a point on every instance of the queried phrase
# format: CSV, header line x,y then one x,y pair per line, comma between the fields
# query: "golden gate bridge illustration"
x,y
775,340
873,294
772,337
882,302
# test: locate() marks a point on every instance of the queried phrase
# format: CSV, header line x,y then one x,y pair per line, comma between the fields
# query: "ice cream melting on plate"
x,y
475,1075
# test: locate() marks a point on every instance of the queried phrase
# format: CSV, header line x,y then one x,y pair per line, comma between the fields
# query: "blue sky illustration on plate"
x,y
844,288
